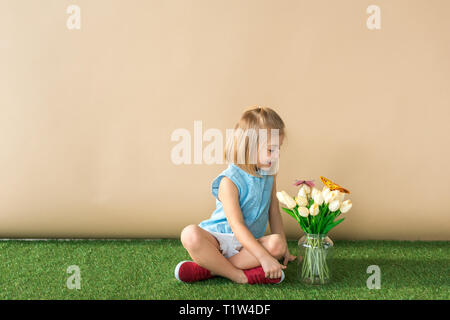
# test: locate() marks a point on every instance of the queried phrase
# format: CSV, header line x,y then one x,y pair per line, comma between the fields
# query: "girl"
x,y
231,243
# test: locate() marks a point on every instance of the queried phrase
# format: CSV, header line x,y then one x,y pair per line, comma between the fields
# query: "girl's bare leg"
x,y
204,250
272,243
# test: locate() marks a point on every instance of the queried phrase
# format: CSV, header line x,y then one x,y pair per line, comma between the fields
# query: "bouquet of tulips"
x,y
316,212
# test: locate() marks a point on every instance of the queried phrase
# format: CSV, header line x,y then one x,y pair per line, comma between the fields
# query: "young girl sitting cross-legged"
x,y
231,243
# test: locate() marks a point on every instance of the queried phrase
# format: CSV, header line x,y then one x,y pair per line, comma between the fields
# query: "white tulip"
x,y
346,205
314,209
302,201
325,192
334,195
334,205
318,198
314,192
302,193
306,187
286,199
303,211
290,202
341,196
326,196
331,196
280,197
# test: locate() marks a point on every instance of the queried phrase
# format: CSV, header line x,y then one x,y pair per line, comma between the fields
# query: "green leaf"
x,y
321,216
294,214
328,219
310,202
332,225
326,208
290,212
313,224
299,217
302,221
306,228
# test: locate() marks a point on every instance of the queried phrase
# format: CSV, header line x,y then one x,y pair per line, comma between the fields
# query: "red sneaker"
x,y
189,271
257,275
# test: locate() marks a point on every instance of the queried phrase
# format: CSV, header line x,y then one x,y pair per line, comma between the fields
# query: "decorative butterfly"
x,y
333,186
307,182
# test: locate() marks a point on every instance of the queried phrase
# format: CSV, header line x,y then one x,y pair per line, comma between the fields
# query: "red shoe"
x,y
257,275
189,271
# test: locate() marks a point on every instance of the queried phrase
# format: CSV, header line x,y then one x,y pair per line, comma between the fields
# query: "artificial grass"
x,y
143,269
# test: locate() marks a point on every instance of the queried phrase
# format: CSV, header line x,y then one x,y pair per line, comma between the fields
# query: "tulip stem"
x,y
314,267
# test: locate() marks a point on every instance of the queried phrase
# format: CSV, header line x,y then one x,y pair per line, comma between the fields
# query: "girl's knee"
x,y
276,246
191,237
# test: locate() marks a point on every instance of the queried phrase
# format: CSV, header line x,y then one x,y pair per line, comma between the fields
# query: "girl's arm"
x,y
228,194
275,222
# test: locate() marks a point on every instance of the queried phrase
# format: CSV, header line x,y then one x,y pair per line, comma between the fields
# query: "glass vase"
x,y
315,265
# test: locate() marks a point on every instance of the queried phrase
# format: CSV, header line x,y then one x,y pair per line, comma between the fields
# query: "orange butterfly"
x,y
333,186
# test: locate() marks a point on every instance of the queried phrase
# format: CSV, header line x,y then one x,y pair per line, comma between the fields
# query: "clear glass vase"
x,y
315,265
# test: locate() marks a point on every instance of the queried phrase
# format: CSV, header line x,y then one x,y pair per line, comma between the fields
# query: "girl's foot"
x,y
257,275
189,271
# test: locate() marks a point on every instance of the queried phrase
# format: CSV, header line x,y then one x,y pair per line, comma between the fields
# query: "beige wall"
x,y
86,115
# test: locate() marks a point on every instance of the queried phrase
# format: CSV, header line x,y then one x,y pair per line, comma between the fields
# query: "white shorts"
x,y
229,245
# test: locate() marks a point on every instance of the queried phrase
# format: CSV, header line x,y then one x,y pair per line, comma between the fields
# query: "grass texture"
x,y
144,269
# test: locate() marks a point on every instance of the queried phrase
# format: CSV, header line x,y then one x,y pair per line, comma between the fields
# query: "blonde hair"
x,y
244,136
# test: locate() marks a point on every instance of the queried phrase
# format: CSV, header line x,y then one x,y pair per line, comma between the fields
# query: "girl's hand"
x,y
288,257
271,267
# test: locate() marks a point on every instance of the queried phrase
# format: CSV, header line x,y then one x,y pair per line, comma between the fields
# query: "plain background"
x,y
86,116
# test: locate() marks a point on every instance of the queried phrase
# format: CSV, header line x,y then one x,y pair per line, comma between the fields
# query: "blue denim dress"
x,y
254,199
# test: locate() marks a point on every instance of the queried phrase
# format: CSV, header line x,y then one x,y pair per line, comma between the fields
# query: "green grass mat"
x,y
140,269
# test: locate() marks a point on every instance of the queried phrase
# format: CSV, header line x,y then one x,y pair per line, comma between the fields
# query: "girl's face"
x,y
269,153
